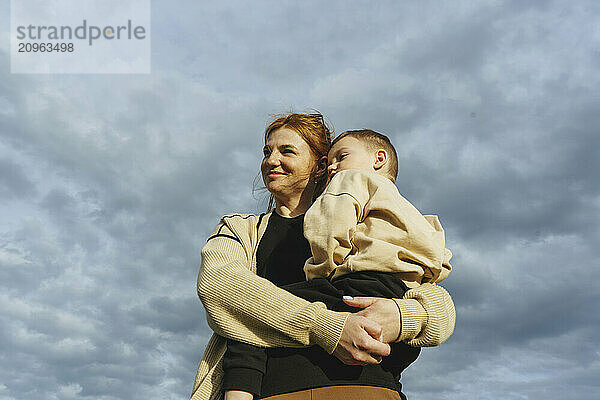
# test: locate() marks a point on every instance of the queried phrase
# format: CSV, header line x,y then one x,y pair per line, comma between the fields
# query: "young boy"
x,y
365,240
370,226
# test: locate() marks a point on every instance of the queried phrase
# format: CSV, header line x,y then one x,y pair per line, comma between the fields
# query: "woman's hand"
x,y
382,311
359,344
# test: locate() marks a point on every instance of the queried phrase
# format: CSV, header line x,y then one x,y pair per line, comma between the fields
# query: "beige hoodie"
x,y
362,223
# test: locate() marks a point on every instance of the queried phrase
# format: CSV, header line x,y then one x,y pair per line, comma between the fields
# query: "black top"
x,y
281,255
282,250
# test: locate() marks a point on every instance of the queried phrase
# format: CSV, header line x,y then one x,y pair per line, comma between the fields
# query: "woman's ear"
x,y
321,167
381,158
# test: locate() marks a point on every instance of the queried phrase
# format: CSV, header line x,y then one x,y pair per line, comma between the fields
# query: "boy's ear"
x,y
321,167
380,159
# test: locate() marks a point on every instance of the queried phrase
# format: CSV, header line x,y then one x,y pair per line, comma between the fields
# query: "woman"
x,y
243,306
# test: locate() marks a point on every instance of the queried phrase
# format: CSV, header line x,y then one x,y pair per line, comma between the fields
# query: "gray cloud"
x,y
14,182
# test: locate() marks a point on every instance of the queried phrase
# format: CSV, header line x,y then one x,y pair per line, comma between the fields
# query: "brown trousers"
x,y
348,392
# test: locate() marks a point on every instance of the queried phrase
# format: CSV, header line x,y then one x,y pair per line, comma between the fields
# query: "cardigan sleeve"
x,y
241,305
427,316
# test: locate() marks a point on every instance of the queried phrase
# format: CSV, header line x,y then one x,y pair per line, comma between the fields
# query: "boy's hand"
x,y
238,395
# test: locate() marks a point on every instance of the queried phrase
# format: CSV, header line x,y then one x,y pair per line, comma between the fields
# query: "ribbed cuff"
x,y
413,318
327,329
244,379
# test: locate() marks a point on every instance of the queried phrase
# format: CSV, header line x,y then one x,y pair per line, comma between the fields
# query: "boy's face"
x,y
349,153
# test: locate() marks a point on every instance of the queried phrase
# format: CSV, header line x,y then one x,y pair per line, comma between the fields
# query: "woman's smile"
x,y
273,174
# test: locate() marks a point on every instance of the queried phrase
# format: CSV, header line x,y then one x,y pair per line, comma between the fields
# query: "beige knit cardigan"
x,y
243,306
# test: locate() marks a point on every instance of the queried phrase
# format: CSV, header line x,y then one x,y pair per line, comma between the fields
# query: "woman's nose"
x,y
272,159
331,168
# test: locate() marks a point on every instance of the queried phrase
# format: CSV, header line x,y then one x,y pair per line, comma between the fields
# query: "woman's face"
x,y
287,164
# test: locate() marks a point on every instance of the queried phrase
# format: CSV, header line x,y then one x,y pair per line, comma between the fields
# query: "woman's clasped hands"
x,y
364,339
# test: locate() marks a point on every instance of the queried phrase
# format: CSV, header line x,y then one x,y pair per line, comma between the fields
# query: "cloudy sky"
x,y
110,184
